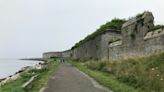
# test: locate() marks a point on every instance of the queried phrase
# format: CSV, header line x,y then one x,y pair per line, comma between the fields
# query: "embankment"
x,y
41,74
142,74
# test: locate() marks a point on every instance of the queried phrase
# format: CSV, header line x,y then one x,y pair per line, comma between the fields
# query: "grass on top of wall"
x,y
146,74
114,24
157,27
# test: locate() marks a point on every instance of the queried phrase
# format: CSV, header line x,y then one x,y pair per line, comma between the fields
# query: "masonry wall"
x,y
134,40
52,54
154,44
66,54
96,48
88,50
151,46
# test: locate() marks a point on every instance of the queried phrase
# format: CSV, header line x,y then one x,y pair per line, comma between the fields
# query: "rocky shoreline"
x,y
17,75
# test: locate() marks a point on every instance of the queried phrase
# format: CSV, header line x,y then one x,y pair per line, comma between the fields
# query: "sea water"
x,y
11,66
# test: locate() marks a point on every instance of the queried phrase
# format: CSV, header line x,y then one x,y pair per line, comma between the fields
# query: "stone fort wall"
x,y
134,40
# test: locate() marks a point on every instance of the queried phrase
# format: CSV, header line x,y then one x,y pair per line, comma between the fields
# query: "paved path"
x,y
68,79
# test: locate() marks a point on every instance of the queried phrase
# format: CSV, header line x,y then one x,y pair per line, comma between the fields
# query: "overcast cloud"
x,y
30,27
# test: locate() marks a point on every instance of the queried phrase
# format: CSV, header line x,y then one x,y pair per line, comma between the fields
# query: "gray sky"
x,y
30,27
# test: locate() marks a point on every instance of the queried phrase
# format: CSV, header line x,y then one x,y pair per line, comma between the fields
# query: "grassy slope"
x,y
105,80
146,74
43,76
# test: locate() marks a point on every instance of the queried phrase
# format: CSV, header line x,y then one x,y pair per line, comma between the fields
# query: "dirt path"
x,y
68,79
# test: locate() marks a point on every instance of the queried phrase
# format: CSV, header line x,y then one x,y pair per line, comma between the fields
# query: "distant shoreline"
x,y
23,69
34,59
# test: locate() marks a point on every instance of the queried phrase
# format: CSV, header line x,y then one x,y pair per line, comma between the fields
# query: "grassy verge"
x,y
104,79
39,82
146,74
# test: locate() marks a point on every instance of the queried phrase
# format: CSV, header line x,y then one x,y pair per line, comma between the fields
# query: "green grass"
x,y
39,82
104,79
146,74
43,78
15,86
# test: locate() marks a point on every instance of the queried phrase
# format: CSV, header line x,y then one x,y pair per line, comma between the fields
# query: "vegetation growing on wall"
x,y
114,24
156,27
